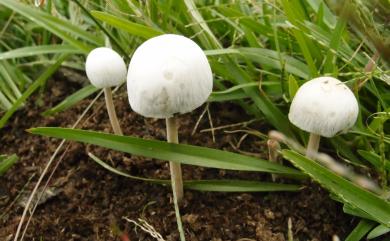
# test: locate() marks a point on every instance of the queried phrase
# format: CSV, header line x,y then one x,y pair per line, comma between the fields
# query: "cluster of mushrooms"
x,y
178,79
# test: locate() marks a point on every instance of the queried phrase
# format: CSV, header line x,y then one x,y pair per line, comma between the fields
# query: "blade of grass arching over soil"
x,y
62,28
348,192
136,29
71,100
185,154
32,88
209,185
363,227
38,50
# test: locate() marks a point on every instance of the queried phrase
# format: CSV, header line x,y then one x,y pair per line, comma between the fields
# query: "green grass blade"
x,y
261,100
364,132
235,88
210,185
374,159
323,37
7,162
329,18
269,58
363,227
342,146
34,86
185,154
71,100
349,192
230,96
38,50
354,211
292,11
126,25
62,28
293,86
5,103
337,36
206,36
6,73
239,186
378,231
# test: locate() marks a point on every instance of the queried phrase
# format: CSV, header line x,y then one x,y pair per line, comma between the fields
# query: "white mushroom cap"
x,y
168,74
324,106
105,68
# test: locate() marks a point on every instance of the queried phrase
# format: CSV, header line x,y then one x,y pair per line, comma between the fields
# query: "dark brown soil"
x,y
89,202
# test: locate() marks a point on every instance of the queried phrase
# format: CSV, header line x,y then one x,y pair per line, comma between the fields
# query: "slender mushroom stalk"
x,y
111,111
323,106
105,68
273,154
313,145
169,74
175,168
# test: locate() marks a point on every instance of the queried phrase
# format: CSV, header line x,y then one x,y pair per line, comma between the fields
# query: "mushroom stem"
x,y
175,168
111,111
273,154
312,146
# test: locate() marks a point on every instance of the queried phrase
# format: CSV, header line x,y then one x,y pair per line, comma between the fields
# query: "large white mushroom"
x,y
169,74
324,106
105,69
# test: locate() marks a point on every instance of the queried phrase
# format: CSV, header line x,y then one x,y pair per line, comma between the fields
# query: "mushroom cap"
x,y
105,68
168,74
324,106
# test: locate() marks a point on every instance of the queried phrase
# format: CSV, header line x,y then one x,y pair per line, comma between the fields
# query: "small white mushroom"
x,y
324,106
169,74
105,69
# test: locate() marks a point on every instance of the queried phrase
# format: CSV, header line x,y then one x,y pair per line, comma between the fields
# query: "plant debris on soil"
x,y
86,202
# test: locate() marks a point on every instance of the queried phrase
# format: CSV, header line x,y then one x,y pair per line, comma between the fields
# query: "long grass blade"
x,y
363,227
209,185
126,25
185,154
378,231
71,100
38,50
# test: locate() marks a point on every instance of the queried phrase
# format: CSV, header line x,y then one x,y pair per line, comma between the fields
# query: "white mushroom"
x,y
169,74
324,106
105,68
